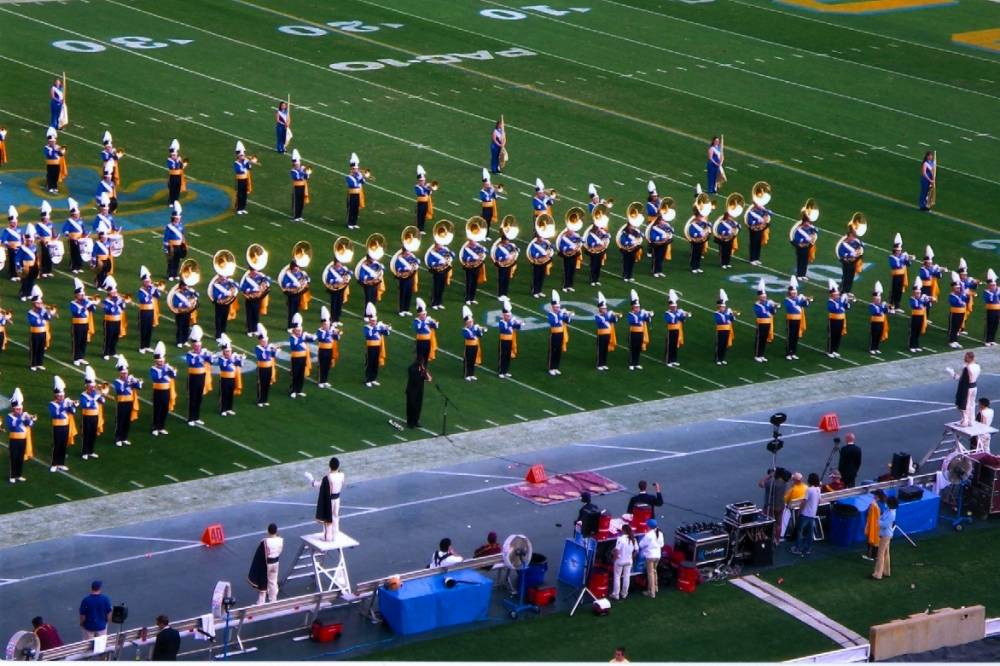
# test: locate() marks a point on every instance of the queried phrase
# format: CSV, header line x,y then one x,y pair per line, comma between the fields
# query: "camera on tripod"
x,y
776,442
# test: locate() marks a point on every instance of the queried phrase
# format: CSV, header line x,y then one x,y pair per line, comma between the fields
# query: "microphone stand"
x,y
444,415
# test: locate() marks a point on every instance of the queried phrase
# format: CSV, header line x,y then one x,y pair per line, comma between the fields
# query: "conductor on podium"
x,y
328,501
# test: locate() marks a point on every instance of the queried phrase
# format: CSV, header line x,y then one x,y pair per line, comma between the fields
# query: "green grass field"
x,y
825,105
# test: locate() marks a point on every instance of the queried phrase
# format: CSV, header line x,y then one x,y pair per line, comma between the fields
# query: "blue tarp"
x,y
426,604
912,517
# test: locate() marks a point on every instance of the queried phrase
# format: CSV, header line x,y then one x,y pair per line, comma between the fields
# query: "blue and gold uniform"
x,y
899,262
472,256
473,356
763,312
507,326
850,250
327,347
725,331
18,425
11,239
183,302
406,269
596,241
607,337
295,283
424,193
919,304
425,335
230,376
804,241
282,125
147,298
256,288
115,322
713,165
38,330
126,388
243,171
106,190
878,321
439,259
488,201
795,319
299,175
174,243
73,231
371,275
836,308
27,263
540,252
758,221
558,333
697,230
355,181
301,361
46,234
5,321
337,280
928,174
199,372
162,376
629,241
375,348
222,291
61,411
92,411
957,309
498,142
176,179
991,301
267,370
929,273
55,163
57,97
638,329
726,234
674,317
504,255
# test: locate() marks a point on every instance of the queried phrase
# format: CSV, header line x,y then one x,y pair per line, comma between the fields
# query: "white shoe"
x,y
53,469
368,384
831,355
302,395
468,379
725,363
788,357
63,468
86,456
292,396
638,367
718,362
374,381
231,412
94,455
12,479
118,444
107,358
164,432
913,350
794,356
192,423
156,433
552,372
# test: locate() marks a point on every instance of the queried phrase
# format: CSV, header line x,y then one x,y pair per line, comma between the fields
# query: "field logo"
x,y
855,7
988,244
818,274
988,40
141,205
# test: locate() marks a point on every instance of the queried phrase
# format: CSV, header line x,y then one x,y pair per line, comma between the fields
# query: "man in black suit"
x,y
850,461
168,641
646,498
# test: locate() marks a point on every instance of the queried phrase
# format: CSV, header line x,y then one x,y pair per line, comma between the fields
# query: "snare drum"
x,y
116,244
56,251
86,246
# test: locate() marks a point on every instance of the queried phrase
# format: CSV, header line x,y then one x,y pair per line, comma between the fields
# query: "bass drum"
x,y
116,244
86,249
56,251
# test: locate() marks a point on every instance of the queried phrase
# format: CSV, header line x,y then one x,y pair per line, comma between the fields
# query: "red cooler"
x,y
640,514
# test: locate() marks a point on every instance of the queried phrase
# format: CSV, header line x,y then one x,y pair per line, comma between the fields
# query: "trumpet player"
x,y
355,181
126,388
298,349
957,310
488,202
18,425
148,297
46,235
38,326
113,155
11,238
878,321
199,373
106,187
607,340
508,326
73,230
795,318
243,170
929,274
726,230
638,329
61,410
101,259
919,304
970,286
162,376
425,334
899,263
115,320
328,345
222,291
540,252
424,192
230,375
81,311
724,327
55,161
27,262
300,185
836,307
92,410
471,333
267,371
675,318
991,301
541,203
558,332
763,311
176,178
375,352
174,243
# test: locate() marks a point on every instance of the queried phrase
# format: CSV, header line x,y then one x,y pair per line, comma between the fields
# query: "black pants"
x,y
850,480
60,438
112,332
294,302
196,393
405,293
161,407
145,329
487,214
298,375
954,325
846,277
896,292
792,344
123,421
353,207
696,256
263,384
992,319
537,278
801,261
17,448
89,432
555,350
298,201
471,283
37,349
336,304
221,319
52,176
173,189
721,345
596,262
28,282
241,194
112,205
438,282
75,260
875,336
603,342
175,256
628,264
503,280
835,334
756,243
414,405
659,253
673,344
46,268
421,214
506,348
725,252
569,270
371,293
183,321
11,267
916,327
227,389
760,344
424,351
469,361
79,341
253,314
634,348
371,363
325,363
103,270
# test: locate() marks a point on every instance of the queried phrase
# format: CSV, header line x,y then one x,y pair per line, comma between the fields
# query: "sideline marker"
x,y
213,535
536,474
829,422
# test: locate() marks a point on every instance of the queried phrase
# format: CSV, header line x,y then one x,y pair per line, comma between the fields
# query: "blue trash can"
x,y
534,574
845,521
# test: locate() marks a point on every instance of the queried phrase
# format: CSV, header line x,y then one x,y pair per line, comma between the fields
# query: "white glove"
x,y
309,477
951,372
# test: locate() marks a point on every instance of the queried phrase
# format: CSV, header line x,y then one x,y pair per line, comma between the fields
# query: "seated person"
x,y
491,547
645,498
835,483
445,555
48,636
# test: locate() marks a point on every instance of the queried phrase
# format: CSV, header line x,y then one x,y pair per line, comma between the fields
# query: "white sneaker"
x,y
795,356
94,455
368,384
53,469
302,395
553,372
468,379
638,367
831,355
375,382
86,456
63,468
164,432
192,423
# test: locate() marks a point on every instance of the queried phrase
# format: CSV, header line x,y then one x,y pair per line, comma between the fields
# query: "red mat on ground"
x,y
566,487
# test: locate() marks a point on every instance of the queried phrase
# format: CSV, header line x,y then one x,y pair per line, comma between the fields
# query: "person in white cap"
x,y
541,203
147,298
795,318
724,319
638,330
328,345
899,263
836,314
878,319
46,234
27,261
929,273
508,326
126,388
256,289
55,161
472,255
11,238
850,250
298,349
61,410
675,318
81,311
242,169
919,302
498,146
424,192
629,242
471,333
182,300
162,376
660,234
605,321
504,256
299,173
106,188
596,240
803,239
355,181
652,207
375,334
488,202
763,311
174,243
104,220
405,268
697,230
558,332
92,409
38,327
18,425
295,283
230,375
176,180
957,310
540,252
991,301
73,230
115,319
425,333
970,287
267,371
222,291
726,230
199,372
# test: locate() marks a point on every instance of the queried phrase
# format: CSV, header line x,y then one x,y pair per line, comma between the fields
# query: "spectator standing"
x,y
95,612
168,641
849,461
48,636
619,657
646,498
774,485
652,547
807,518
886,526
793,493
624,553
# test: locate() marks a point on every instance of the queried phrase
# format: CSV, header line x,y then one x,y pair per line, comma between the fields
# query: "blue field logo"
x,y
857,7
141,204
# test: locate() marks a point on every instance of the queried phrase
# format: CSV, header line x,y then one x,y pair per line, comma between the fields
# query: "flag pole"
x,y
933,193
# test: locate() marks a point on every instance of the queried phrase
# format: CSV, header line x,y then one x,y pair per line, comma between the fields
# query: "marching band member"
x,y
652,202
594,199
92,411
337,277
424,192
126,388
282,121
558,333
991,300
919,303
263,575
26,261
488,201
504,256
713,165
726,229
243,170
104,221
508,326
300,185
607,339
222,291
174,244
106,187
6,318
56,99
370,275
255,287
638,328
439,258
957,304
298,349
541,203
199,372
267,371
148,297
111,154
327,345
629,242
176,179
928,182
162,376
763,310
596,242
899,262
836,307
46,235
540,253
184,304
758,220
425,334
849,252
724,328
55,161
101,259
73,230
660,235
970,286
472,256
697,230
355,192
230,375
675,318
11,238
328,502
18,425
879,322
375,334
405,266
81,311
38,326
929,272
295,284
803,237
115,320
965,396
795,318
569,244
61,410
498,147
3,146
471,332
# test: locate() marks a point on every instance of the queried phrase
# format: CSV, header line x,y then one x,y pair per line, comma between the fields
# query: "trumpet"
x,y
104,388
367,173
186,162
160,284
434,186
552,193
96,300
254,160
308,170
119,153
53,310
499,188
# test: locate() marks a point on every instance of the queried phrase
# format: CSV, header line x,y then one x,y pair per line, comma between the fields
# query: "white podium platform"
x,y
329,562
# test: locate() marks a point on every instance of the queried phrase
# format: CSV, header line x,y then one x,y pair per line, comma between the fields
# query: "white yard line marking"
x,y
240,465
137,484
306,455
767,423
519,417
172,478
607,402
825,367
461,427
336,448
368,443
629,448
135,538
478,476
772,375
745,380
881,397
400,438
63,497
492,423
23,503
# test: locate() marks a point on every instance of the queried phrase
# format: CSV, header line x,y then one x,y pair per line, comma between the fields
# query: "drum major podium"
x,y
328,562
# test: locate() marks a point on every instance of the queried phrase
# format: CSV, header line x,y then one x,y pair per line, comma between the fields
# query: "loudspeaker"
x,y
910,493
900,465
119,614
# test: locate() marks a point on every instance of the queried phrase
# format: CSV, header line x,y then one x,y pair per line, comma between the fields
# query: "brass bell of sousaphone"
x,y
668,209
703,204
190,272
410,238
224,263
858,224
574,218
635,214
545,226
302,254
475,229
811,209
256,257
509,228
343,250
761,193
443,232
600,216
735,204
375,246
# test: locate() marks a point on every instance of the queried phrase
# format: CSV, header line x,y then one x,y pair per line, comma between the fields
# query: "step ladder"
x,y
935,457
